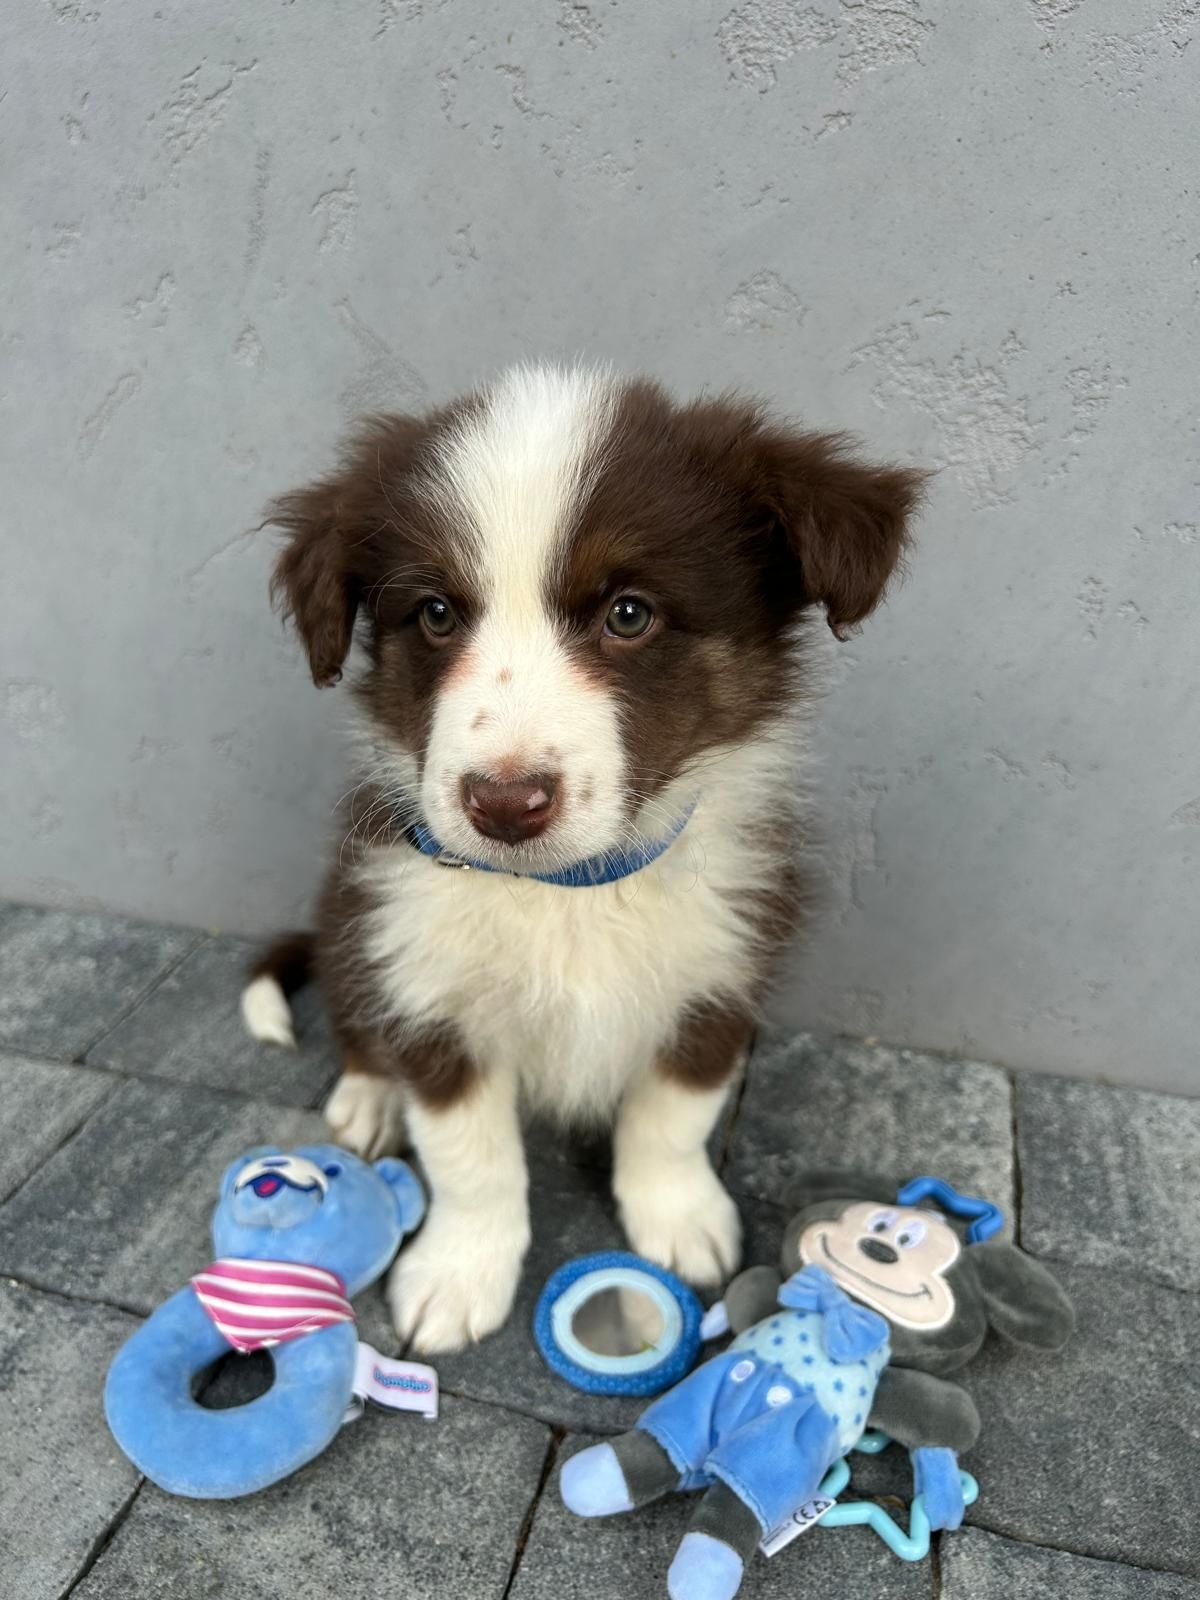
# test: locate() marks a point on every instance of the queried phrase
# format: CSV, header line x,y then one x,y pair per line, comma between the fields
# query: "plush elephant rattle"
x,y
880,1297
297,1235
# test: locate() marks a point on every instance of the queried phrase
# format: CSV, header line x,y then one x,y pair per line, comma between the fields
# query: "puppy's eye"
x,y
910,1235
881,1222
437,617
628,618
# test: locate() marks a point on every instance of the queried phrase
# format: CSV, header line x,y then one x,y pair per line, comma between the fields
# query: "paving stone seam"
x,y
1018,1180
463,1398
119,1077
557,1435
102,1540
31,1058
1093,1270
63,1142
139,1000
72,1299
1136,1274
128,1075
508,1407
785,1039
972,1521
935,1567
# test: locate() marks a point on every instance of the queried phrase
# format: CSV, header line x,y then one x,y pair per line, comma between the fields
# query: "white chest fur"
x,y
574,990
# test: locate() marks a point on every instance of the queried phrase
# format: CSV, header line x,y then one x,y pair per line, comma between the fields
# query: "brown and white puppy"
x,y
582,609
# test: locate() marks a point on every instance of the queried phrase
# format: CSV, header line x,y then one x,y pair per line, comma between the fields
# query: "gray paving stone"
x,y
43,1105
62,1479
121,1212
1095,1450
545,1142
1110,1177
763,1227
67,976
572,1558
832,1103
572,1215
396,1509
978,1566
190,1030
374,1319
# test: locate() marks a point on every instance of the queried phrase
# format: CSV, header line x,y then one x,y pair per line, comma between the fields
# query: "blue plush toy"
x,y
880,1300
297,1235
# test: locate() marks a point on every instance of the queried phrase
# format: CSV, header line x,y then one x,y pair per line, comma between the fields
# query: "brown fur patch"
x,y
727,525
363,544
707,1048
433,1065
288,959
431,1062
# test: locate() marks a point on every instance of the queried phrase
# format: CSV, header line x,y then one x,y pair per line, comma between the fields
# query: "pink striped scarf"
x,y
259,1303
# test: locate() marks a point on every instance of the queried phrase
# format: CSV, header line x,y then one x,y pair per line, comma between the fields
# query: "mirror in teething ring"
x,y
615,1324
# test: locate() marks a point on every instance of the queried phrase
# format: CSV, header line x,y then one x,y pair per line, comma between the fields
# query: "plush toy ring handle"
x,y
986,1219
614,1324
205,1454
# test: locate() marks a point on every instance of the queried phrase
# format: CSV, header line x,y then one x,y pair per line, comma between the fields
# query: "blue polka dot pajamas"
x,y
769,1417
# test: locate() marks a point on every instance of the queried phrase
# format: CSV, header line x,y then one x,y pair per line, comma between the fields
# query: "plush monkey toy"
x,y
878,1300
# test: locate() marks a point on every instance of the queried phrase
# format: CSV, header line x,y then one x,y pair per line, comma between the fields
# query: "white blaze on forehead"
x,y
512,476
512,473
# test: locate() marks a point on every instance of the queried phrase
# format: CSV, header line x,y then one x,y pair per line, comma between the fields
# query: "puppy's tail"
x,y
282,969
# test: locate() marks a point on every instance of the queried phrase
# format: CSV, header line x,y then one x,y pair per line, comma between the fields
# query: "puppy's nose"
x,y
510,809
879,1251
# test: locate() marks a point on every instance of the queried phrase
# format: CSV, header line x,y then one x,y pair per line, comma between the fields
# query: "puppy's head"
x,y
569,589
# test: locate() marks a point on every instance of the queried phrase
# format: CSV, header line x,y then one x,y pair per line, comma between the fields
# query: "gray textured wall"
x,y
967,231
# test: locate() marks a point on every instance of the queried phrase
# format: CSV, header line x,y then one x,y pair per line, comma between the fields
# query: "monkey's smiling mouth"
x,y
923,1293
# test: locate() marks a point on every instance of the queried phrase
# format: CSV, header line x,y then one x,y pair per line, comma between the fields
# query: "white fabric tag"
x,y
811,1511
398,1385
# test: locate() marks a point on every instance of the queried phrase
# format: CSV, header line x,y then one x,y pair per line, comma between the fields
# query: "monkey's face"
x,y
892,1258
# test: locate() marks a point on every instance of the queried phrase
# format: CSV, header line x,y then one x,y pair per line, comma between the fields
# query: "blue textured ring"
x,y
647,1371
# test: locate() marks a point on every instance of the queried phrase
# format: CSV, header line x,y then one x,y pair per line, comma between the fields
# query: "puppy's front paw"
x,y
366,1114
456,1284
681,1217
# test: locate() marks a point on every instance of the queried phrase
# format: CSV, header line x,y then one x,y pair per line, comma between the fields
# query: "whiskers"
x,y
391,808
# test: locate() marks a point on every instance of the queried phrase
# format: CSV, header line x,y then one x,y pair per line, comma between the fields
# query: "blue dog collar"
x,y
609,867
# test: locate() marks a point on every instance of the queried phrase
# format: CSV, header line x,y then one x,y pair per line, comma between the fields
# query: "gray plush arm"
x,y
919,1411
753,1295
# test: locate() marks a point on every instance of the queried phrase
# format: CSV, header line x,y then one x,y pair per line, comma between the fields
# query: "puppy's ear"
x,y
847,522
332,526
